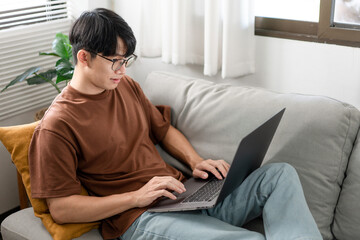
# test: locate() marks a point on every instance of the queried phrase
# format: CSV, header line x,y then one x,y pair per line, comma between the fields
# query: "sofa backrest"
x,y
316,134
347,214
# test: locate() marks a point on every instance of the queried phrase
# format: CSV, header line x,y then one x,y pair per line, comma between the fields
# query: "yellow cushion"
x,y
17,139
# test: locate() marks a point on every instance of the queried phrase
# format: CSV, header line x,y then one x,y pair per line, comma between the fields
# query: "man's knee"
x,y
283,170
286,167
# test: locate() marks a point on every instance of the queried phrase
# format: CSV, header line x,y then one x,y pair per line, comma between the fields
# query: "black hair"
x,y
97,31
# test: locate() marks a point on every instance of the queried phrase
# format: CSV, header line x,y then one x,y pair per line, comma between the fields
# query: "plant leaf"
x,y
62,47
22,76
65,70
63,63
71,59
61,78
49,75
49,54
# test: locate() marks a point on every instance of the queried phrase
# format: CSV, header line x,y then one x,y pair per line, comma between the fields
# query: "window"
x,y
334,21
301,10
28,27
347,13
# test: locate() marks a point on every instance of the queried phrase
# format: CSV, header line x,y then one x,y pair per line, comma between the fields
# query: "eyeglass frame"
x,y
124,61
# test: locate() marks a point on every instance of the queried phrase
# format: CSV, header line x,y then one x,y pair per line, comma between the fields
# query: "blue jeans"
x,y
273,190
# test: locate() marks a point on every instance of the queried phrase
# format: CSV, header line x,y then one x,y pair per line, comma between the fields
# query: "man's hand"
x,y
179,147
214,166
155,188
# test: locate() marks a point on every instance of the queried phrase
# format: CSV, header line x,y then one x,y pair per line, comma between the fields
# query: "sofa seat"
x,y
23,225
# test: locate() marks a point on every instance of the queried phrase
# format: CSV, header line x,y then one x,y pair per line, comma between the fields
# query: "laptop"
x,y
203,194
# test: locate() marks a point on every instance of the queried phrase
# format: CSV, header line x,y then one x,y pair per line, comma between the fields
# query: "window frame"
x,y
323,31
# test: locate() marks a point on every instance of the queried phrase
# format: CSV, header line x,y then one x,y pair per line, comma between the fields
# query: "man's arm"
x,y
178,146
77,208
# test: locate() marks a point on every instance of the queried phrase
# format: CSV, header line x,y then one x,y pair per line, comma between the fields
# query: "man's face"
x,y
100,74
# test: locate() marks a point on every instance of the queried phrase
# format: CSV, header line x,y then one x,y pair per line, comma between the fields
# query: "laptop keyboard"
x,y
206,193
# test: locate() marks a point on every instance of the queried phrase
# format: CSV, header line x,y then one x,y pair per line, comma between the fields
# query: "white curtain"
x,y
218,34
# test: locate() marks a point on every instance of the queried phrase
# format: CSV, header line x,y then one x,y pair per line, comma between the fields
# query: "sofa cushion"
x,y
17,139
315,136
347,215
23,225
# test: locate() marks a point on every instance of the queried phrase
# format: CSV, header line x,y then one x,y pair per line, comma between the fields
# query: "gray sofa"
x,y
317,135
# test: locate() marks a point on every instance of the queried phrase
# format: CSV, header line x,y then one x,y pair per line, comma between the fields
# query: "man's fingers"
x,y
165,193
223,167
215,170
200,174
169,183
204,174
213,166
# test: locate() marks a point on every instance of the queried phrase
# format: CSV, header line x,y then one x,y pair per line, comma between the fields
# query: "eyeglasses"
x,y
118,63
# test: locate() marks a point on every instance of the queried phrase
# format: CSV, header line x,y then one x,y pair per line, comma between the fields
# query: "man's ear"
x,y
83,57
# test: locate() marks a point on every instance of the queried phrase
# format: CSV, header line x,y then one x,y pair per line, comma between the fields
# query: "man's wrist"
x,y
133,200
194,162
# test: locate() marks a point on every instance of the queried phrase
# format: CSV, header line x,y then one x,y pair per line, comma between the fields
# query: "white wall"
x,y
286,66
310,68
76,7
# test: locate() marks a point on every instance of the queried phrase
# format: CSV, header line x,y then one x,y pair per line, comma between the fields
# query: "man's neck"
x,y
80,83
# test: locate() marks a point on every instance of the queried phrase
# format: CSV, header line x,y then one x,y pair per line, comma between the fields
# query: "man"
x,y
100,133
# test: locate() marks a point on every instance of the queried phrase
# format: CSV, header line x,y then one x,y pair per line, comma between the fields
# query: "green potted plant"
x,y
63,70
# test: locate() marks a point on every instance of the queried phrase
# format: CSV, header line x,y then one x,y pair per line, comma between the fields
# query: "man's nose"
x,y
121,70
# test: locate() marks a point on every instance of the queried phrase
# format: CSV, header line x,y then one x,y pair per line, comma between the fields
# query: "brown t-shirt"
x,y
104,142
